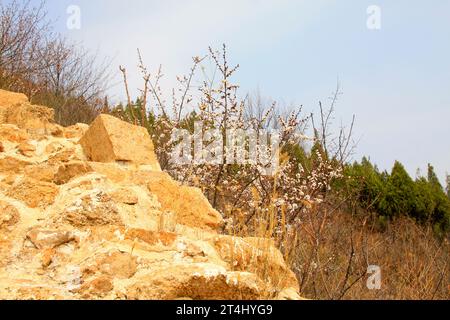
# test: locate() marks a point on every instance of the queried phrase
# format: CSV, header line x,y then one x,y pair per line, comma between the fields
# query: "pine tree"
x,y
365,182
424,204
433,179
441,213
448,185
400,193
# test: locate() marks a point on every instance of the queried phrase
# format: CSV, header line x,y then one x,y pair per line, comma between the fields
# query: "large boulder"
x,y
112,140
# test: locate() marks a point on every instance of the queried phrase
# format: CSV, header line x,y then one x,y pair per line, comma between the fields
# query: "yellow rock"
x,y
93,209
119,264
189,204
75,131
35,119
34,193
112,171
26,149
47,257
257,255
44,239
9,216
8,99
69,170
99,287
125,195
12,164
198,281
12,133
43,172
16,109
110,139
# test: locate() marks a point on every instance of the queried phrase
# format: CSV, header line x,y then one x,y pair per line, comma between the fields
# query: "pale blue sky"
x,y
396,80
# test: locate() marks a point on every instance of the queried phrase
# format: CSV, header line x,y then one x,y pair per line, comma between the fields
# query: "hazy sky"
x,y
396,79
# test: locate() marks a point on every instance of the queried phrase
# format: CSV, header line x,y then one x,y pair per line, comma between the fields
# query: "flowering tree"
x,y
211,110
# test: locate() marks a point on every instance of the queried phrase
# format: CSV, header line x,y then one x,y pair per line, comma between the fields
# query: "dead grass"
x,y
331,250
414,264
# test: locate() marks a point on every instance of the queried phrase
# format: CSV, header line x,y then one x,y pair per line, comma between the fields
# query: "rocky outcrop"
x,y
86,213
36,120
8,100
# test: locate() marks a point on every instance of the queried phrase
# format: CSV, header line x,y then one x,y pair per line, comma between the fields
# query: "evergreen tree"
x,y
424,204
400,193
448,185
396,193
441,214
363,181
433,179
